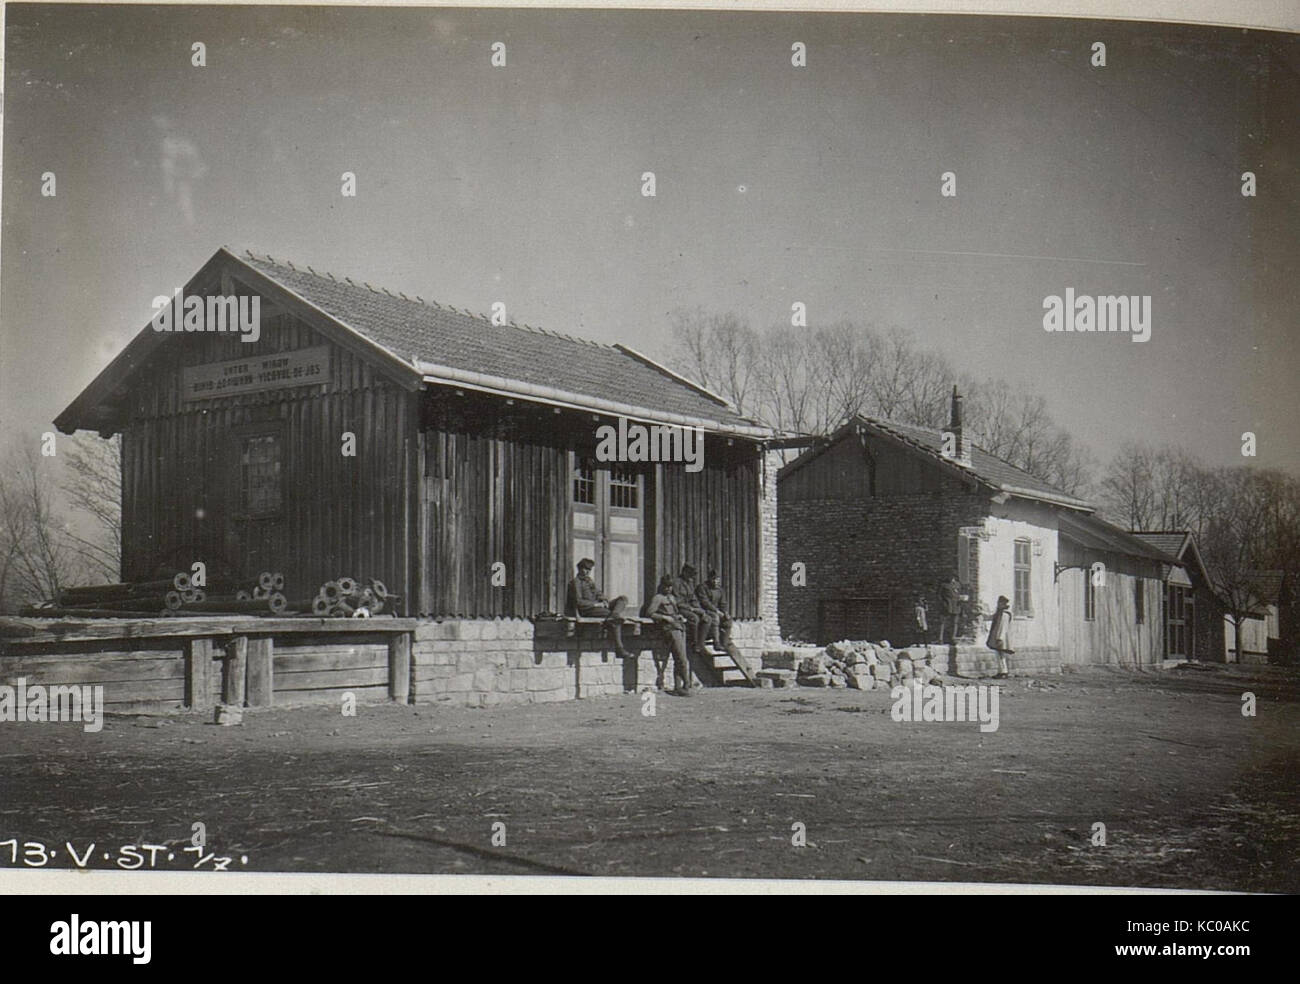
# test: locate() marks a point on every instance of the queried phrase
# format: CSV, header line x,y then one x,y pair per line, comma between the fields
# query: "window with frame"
x,y
967,558
624,490
584,482
1023,571
260,468
1139,600
1089,596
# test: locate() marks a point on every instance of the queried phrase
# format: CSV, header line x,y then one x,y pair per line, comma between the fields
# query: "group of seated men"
x,y
682,609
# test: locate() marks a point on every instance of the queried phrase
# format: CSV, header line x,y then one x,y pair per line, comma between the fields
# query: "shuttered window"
x,y
1023,600
259,476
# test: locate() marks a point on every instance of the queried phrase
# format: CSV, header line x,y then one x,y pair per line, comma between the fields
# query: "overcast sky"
x,y
775,184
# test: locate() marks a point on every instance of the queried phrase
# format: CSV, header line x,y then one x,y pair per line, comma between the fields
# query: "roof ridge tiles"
x,y
437,305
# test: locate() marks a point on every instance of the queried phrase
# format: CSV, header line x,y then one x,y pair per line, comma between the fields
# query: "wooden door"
x,y
623,536
609,527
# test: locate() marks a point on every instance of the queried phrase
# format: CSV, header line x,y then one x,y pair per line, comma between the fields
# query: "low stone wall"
x,y
487,662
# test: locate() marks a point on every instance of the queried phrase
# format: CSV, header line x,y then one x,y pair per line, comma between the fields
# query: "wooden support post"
x,y
399,667
261,682
200,675
235,665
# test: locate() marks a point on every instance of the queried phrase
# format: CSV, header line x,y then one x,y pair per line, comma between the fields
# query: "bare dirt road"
x,y
1192,793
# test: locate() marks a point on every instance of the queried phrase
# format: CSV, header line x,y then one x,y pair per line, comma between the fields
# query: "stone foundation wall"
x,y
487,662
980,661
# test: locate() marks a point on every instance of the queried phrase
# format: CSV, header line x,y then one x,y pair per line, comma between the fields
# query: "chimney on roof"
x,y
961,449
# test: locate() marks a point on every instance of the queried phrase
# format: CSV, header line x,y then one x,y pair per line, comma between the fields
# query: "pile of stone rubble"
x,y
852,664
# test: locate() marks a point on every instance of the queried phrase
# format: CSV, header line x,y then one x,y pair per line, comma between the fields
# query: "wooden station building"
x,y
471,487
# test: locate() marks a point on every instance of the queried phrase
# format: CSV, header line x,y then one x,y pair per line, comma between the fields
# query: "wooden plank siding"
x,y
849,472
339,515
710,518
498,487
1114,635
446,483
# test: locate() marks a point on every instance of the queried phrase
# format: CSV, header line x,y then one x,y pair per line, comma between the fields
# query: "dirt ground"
x,y
1192,793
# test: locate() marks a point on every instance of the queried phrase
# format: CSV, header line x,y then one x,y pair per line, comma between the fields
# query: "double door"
x,y
609,527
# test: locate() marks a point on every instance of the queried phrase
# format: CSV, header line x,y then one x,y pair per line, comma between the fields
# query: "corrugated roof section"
x,y
1090,531
444,336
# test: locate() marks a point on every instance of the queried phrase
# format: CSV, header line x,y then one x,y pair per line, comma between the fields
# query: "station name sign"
x,y
277,370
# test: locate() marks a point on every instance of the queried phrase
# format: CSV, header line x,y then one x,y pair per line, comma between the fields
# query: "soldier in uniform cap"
x,y
587,600
699,623
664,610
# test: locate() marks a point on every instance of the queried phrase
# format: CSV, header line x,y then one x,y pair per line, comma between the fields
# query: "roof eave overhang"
x,y
1067,501
435,374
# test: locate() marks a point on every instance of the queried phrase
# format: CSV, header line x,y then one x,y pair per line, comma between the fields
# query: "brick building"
x,y
882,513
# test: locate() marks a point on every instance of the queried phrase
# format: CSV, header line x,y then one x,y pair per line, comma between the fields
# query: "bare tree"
x,y
38,558
1235,544
719,351
810,380
1015,426
92,482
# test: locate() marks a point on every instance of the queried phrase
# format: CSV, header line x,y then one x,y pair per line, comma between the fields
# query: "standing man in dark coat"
x,y
952,599
587,600
664,610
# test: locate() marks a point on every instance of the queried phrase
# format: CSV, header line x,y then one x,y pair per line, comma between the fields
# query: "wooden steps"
x,y
729,667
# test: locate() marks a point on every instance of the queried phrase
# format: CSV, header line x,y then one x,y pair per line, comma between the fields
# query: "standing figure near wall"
x,y
952,605
664,610
999,639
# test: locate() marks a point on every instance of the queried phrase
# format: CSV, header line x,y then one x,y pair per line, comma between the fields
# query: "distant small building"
x,y
1261,631
1193,612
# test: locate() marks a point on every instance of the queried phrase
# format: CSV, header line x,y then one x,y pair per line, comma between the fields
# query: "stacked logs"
x,y
174,596
348,597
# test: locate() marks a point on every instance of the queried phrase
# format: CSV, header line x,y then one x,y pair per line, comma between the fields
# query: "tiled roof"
x,y
1170,543
1266,586
431,333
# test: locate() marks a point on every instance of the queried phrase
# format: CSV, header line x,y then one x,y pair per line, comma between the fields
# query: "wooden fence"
x,y
173,663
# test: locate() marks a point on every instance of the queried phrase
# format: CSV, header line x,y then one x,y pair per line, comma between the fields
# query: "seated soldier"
x,y
586,600
663,609
699,623
709,595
